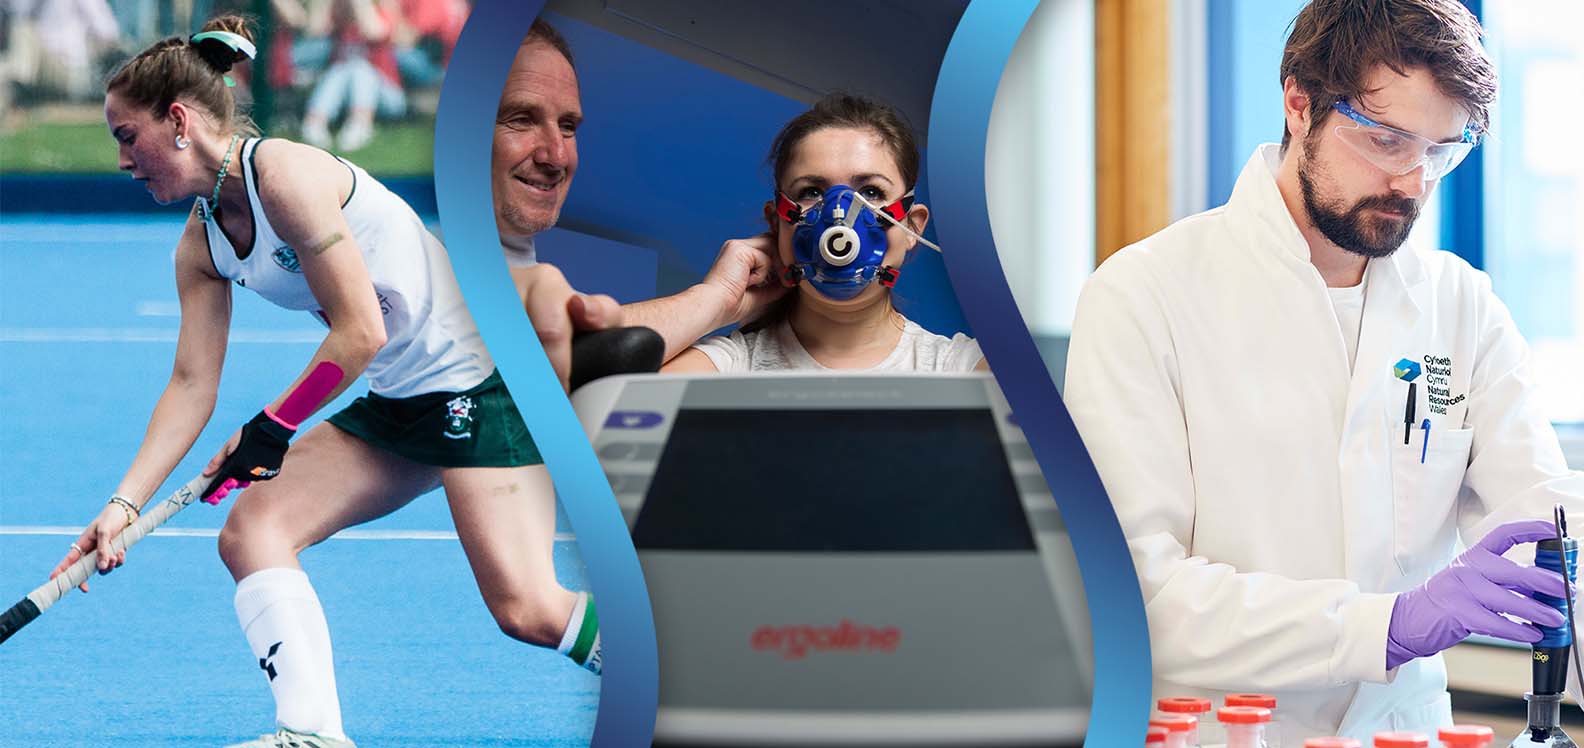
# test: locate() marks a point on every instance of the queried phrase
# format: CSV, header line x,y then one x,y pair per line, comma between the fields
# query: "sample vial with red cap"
x,y
1179,728
1331,741
1266,701
1466,736
1155,737
1207,733
1401,740
1244,725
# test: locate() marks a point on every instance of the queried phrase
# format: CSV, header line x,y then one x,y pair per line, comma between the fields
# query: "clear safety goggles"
x,y
1399,152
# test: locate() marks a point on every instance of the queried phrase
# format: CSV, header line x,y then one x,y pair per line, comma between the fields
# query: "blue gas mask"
x,y
839,241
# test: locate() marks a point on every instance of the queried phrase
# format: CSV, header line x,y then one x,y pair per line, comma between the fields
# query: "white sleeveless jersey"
x,y
431,342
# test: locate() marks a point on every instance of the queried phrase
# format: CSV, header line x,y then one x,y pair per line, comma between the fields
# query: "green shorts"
x,y
479,427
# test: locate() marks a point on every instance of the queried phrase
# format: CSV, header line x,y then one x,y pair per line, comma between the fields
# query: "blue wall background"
x,y
1244,59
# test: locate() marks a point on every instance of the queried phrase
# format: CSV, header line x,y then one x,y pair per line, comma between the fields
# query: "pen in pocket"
x,y
1426,447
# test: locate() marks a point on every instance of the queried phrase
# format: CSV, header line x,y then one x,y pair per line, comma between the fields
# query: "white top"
x,y
431,343
778,349
519,251
1269,504
1348,304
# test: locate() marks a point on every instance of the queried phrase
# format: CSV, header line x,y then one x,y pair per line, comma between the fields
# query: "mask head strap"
x,y
791,276
791,212
887,276
898,210
788,210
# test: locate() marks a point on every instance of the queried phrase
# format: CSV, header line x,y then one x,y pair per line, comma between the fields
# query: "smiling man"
x,y
1297,417
533,161
535,148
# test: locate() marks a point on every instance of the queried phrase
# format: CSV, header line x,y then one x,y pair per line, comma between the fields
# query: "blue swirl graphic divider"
x,y
464,128
959,121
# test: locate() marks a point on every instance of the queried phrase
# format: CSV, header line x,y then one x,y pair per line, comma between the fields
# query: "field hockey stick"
x,y
302,401
47,594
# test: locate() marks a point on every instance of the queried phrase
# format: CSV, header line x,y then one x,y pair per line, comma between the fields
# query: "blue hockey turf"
x,y
153,655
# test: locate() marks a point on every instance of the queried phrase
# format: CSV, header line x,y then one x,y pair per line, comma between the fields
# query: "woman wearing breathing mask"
x,y
842,222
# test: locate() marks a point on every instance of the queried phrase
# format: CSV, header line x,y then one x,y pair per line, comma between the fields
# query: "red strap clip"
x,y
791,276
788,210
888,275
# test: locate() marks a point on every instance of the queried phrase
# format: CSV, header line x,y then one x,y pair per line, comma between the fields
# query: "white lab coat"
x,y
1269,503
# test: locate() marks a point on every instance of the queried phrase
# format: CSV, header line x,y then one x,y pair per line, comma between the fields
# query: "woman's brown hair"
x,y
177,68
849,111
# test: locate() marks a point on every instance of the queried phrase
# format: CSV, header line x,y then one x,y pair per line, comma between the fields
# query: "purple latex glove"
x,y
1466,597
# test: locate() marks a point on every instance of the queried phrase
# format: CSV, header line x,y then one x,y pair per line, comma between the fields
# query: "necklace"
x,y
209,206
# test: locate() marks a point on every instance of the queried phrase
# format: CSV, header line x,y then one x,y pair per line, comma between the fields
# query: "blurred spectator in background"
x,y
362,78
54,45
331,63
138,21
300,44
425,35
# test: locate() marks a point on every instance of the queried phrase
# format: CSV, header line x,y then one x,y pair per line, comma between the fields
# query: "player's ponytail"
x,y
224,41
195,70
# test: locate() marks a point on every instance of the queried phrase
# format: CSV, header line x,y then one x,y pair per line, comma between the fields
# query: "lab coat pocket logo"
x,y
1438,384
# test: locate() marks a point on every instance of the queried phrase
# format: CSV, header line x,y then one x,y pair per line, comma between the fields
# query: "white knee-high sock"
x,y
581,640
286,629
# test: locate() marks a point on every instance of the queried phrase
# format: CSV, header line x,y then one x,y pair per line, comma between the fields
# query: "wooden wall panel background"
x,y
1132,122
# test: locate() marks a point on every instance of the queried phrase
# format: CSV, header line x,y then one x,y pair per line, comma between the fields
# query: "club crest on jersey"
x,y
287,259
459,418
